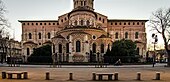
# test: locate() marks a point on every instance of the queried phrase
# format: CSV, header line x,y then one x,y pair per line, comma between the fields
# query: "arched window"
x,y
75,22
78,46
103,20
138,51
99,18
102,48
49,35
88,22
81,3
28,51
136,35
67,48
39,35
94,48
60,50
116,35
30,36
81,22
84,3
126,35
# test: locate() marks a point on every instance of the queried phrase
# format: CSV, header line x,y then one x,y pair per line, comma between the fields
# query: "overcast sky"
x,y
51,9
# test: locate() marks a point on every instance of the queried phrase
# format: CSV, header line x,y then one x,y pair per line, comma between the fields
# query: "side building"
x,y
10,48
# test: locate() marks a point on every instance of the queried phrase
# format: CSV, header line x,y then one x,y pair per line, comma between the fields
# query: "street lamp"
x,y
155,37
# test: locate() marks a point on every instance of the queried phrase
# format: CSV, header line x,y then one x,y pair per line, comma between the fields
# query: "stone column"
x,y
70,76
157,76
138,76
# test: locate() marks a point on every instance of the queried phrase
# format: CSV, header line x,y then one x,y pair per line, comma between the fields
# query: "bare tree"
x,y
4,34
3,20
161,23
4,24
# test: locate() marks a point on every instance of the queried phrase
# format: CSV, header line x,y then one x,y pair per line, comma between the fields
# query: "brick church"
x,y
74,34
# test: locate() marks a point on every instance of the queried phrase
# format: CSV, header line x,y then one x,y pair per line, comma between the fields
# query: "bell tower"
x,y
83,4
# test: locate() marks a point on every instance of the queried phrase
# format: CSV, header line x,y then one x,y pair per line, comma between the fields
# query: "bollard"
x,y
157,76
93,76
116,76
3,75
47,76
70,76
25,75
138,76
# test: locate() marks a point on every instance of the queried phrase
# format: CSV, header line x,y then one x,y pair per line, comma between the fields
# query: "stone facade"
x,y
80,31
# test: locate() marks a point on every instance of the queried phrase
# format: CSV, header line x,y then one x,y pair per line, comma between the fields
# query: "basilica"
x,y
76,34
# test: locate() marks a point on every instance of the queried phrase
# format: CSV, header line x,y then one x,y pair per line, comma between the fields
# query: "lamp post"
x,y
155,37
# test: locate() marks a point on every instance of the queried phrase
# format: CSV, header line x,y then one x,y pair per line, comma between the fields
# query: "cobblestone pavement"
x,y
127,73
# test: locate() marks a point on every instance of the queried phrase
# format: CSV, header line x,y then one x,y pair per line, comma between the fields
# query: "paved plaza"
x,y
127,73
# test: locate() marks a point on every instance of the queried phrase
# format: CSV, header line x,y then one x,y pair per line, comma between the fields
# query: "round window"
x,y
94,37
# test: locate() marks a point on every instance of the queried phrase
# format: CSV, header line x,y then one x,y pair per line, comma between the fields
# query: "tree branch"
x,y
3,21
154,25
